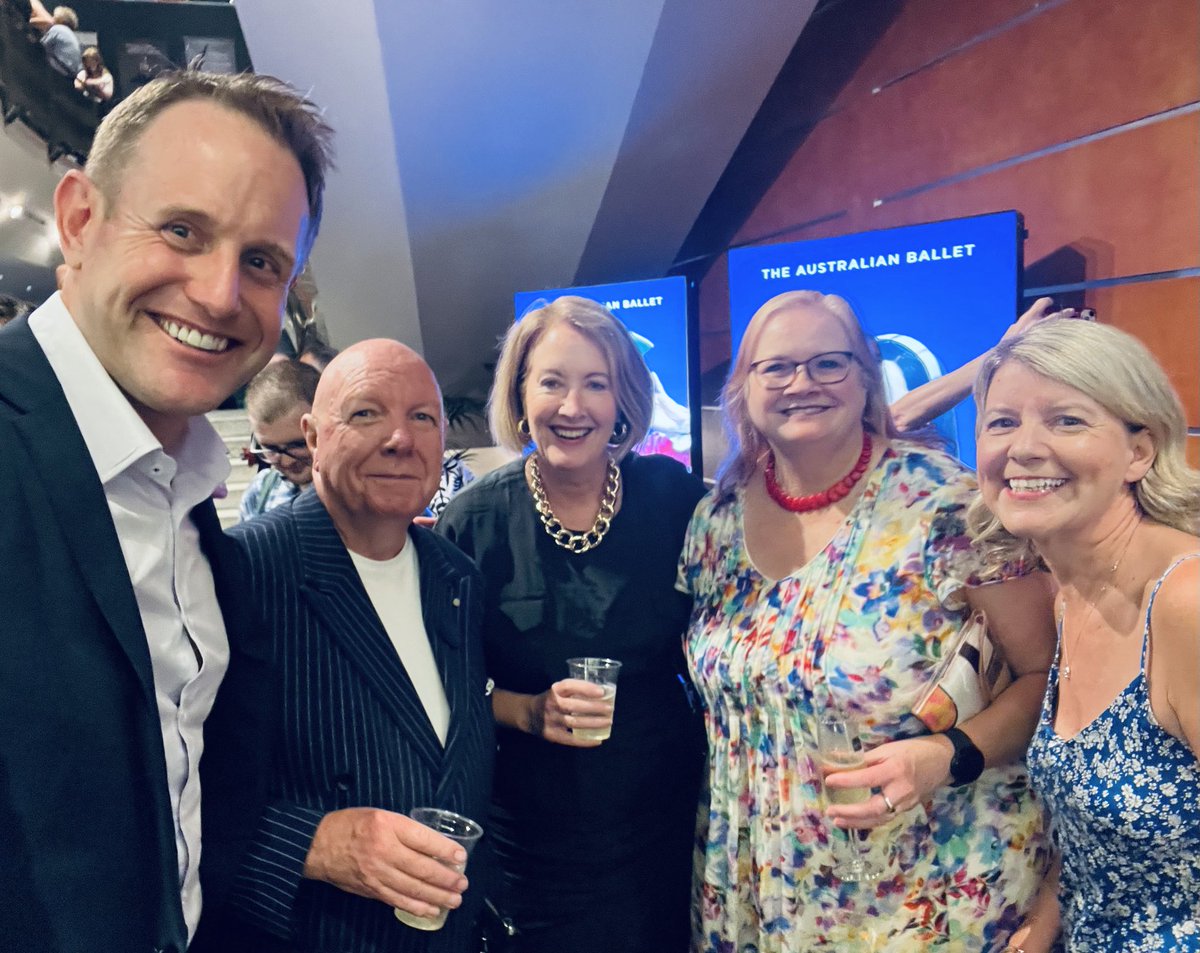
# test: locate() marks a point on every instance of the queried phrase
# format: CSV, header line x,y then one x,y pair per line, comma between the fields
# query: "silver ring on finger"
x,y
887,802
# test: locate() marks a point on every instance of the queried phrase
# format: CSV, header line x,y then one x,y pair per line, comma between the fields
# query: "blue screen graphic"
x,y
655,312
934,296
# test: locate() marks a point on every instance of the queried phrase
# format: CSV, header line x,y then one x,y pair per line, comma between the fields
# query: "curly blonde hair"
x,y
1116,371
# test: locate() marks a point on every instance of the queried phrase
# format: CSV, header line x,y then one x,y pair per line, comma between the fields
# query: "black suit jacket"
x,y
87,843
354,732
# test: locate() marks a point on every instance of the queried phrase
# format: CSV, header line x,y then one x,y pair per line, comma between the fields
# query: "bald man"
x,y
375,627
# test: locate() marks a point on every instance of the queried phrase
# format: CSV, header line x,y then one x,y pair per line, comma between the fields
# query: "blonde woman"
x,y
1080,448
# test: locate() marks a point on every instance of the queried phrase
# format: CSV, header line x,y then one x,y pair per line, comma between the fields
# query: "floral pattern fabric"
x,y
860,628
1124,802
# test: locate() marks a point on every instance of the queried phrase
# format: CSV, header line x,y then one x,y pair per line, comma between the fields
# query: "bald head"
x,y
376,435
374,357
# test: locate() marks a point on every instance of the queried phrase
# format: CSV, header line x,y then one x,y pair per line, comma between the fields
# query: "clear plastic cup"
x,y
602,672
461,830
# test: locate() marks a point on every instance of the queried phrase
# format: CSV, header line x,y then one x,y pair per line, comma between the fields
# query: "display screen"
x,y
655,312
934,296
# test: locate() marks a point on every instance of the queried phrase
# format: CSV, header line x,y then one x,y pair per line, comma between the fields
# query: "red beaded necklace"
x,y
817,501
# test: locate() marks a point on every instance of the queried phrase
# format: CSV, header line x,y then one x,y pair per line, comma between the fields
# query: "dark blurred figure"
x,y
317,355
11,308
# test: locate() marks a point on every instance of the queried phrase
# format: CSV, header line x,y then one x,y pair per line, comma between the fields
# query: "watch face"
x,y
967,763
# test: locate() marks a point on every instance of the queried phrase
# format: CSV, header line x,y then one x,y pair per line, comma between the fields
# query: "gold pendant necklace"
x,y
575,542
1108,584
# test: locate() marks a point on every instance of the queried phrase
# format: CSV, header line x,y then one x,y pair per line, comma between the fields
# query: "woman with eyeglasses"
x,y
830,568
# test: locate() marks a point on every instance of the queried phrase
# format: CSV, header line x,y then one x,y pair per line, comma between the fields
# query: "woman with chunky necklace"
x,y
830,569
578,544
1081,458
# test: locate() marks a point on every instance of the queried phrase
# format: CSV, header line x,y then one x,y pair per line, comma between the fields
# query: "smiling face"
x,y
376,436
804,411
1053,463
179,279
568,400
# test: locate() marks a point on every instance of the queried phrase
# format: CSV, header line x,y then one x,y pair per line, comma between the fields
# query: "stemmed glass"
x,y
840,749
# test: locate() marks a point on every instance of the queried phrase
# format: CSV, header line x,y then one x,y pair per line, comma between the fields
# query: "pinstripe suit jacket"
x,y
353,731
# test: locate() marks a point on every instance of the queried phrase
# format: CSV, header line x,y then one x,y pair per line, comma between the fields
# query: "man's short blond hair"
x,y
289,118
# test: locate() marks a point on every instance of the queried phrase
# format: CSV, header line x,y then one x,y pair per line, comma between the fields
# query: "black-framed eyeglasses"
x,y
776,373
268,452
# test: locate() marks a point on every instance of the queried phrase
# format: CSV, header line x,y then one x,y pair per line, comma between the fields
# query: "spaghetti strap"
x,y
1153,594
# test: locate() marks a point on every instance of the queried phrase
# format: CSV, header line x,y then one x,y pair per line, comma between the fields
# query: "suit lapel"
x,y
64,472
444,601
335,592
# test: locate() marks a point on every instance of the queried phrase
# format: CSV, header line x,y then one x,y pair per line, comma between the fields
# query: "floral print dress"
x,y
1124,801
858,629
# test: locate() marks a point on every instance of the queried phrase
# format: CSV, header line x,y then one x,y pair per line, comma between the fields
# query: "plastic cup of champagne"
x,y
461,830
602,672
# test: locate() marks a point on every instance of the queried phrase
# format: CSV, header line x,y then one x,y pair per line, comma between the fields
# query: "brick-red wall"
x,y
955,87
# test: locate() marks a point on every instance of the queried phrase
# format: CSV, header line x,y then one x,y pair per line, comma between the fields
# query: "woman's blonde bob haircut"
x,y
630,379
747,447
1116,371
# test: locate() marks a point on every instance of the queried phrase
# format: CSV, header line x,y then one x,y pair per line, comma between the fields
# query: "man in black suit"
x,y
121,656
375,626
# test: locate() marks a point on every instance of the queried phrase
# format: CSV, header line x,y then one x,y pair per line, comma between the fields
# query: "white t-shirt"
x,y
394,588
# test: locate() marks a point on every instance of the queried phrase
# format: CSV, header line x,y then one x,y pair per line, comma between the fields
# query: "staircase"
x,y
234,429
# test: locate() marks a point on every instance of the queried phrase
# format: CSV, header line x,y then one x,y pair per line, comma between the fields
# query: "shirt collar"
x,y
116,437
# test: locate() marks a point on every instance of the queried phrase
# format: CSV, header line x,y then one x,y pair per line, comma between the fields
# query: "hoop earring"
x,y
523,427
620,432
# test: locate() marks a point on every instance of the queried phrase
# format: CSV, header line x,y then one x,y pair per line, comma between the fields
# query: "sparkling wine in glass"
x,y
839,749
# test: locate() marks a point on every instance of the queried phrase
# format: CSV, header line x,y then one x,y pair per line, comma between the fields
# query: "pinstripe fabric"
x,y
353,731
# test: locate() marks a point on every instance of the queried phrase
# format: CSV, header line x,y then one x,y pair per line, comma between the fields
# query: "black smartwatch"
x,y
967,763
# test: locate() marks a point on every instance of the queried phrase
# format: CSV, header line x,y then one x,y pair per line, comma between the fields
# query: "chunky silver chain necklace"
x,y
576,542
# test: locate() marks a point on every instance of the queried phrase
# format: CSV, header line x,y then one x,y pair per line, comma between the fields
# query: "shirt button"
x,y
456,602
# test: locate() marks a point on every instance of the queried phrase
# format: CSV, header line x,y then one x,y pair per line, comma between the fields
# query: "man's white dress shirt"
x,y
150,495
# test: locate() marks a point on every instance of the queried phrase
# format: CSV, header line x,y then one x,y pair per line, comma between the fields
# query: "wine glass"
x,y
840,749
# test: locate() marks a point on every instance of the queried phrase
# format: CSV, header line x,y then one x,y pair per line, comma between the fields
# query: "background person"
x,y
375,626
917,408
595,838
130,686
276,400
829,567
62,46
94,80
1081,454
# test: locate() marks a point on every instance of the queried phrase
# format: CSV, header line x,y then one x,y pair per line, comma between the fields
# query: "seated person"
x,y
276,399
94,80
58,37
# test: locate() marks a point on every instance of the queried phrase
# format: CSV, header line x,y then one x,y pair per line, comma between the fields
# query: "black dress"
x,y
596,843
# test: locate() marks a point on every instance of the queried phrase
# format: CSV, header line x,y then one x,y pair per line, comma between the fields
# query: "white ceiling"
x,y
489,147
